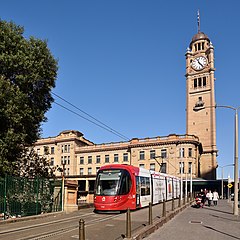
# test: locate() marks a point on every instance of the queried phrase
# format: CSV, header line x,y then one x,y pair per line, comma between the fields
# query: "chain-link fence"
x,y
24,197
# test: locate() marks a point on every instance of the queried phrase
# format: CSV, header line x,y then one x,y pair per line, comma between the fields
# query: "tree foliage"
x,y
32,165
28,72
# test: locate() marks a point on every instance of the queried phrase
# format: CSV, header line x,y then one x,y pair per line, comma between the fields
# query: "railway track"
x,y
66,226
53,229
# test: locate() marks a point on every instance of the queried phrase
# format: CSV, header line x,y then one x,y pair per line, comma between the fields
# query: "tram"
x,y
119,187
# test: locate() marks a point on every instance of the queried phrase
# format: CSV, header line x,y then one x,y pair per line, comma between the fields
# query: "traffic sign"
x,y
229,185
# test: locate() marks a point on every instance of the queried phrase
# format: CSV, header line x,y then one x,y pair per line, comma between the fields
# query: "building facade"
x,y
176,155
180,155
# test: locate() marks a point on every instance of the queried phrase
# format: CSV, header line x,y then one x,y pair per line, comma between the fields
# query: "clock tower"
x,y
200,108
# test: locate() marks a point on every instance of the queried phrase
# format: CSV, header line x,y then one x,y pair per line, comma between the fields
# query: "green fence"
x,y
24,197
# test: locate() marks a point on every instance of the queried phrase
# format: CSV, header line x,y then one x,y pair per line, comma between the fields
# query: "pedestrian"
x,y
210,198
215,197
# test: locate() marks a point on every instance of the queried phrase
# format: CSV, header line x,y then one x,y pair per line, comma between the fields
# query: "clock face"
x,y
199,63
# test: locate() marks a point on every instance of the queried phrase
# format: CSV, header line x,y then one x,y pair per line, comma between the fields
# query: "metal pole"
x,y
191,183
37,195
222,183
164,213
150,214
81,229
186,186
181,188
235,206
5,197
179,201
173,204
63,186
128,224
228,190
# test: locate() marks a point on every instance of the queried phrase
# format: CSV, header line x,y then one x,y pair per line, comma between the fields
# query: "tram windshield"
x,y
112,182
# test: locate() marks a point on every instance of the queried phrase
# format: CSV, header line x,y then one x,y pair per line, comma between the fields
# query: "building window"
x,y
164,153
89,159
199,46
125,157
66,148
152,154
106,158
204,82
195,82
142,155
46,150
89,171
38,151
97,168
181,153
152,166
181,167
52,150
81,160
199,82
163,168
81,171
98,159
115,158
190,152
52,162
141,165
68,171
68,160
189,167
64,160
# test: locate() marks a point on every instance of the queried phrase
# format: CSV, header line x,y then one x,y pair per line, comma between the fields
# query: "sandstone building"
x,y
193,153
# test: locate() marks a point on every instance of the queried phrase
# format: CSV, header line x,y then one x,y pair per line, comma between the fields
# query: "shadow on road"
x,y
229,235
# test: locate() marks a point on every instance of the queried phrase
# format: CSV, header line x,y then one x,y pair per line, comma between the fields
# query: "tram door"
x,y
138,188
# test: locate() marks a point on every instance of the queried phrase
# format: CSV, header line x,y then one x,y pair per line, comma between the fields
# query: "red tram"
x,y
119,187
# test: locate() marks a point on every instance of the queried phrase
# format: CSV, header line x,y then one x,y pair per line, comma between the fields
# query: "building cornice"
x,y
138,143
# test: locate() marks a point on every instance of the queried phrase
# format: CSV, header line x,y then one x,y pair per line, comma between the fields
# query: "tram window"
x,y
145,186
125,184
113,182
138,185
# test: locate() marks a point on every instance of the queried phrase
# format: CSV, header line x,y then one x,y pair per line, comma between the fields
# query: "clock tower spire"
x,y
200,94
198,20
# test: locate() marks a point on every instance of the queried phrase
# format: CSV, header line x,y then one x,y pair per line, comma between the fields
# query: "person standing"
x,y
209,197
215,198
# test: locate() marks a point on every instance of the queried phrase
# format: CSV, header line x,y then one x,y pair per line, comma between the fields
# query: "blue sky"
x,y
123,62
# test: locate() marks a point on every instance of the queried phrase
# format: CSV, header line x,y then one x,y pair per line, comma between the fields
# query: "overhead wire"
x,y
95,122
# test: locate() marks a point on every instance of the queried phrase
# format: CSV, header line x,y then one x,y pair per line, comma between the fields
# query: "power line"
x,y
99,123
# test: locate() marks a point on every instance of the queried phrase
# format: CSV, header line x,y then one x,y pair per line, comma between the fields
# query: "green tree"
x,y
28,72
31,165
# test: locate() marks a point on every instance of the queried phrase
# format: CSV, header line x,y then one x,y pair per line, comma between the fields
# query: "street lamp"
x,y
200,106
222,176
62,170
